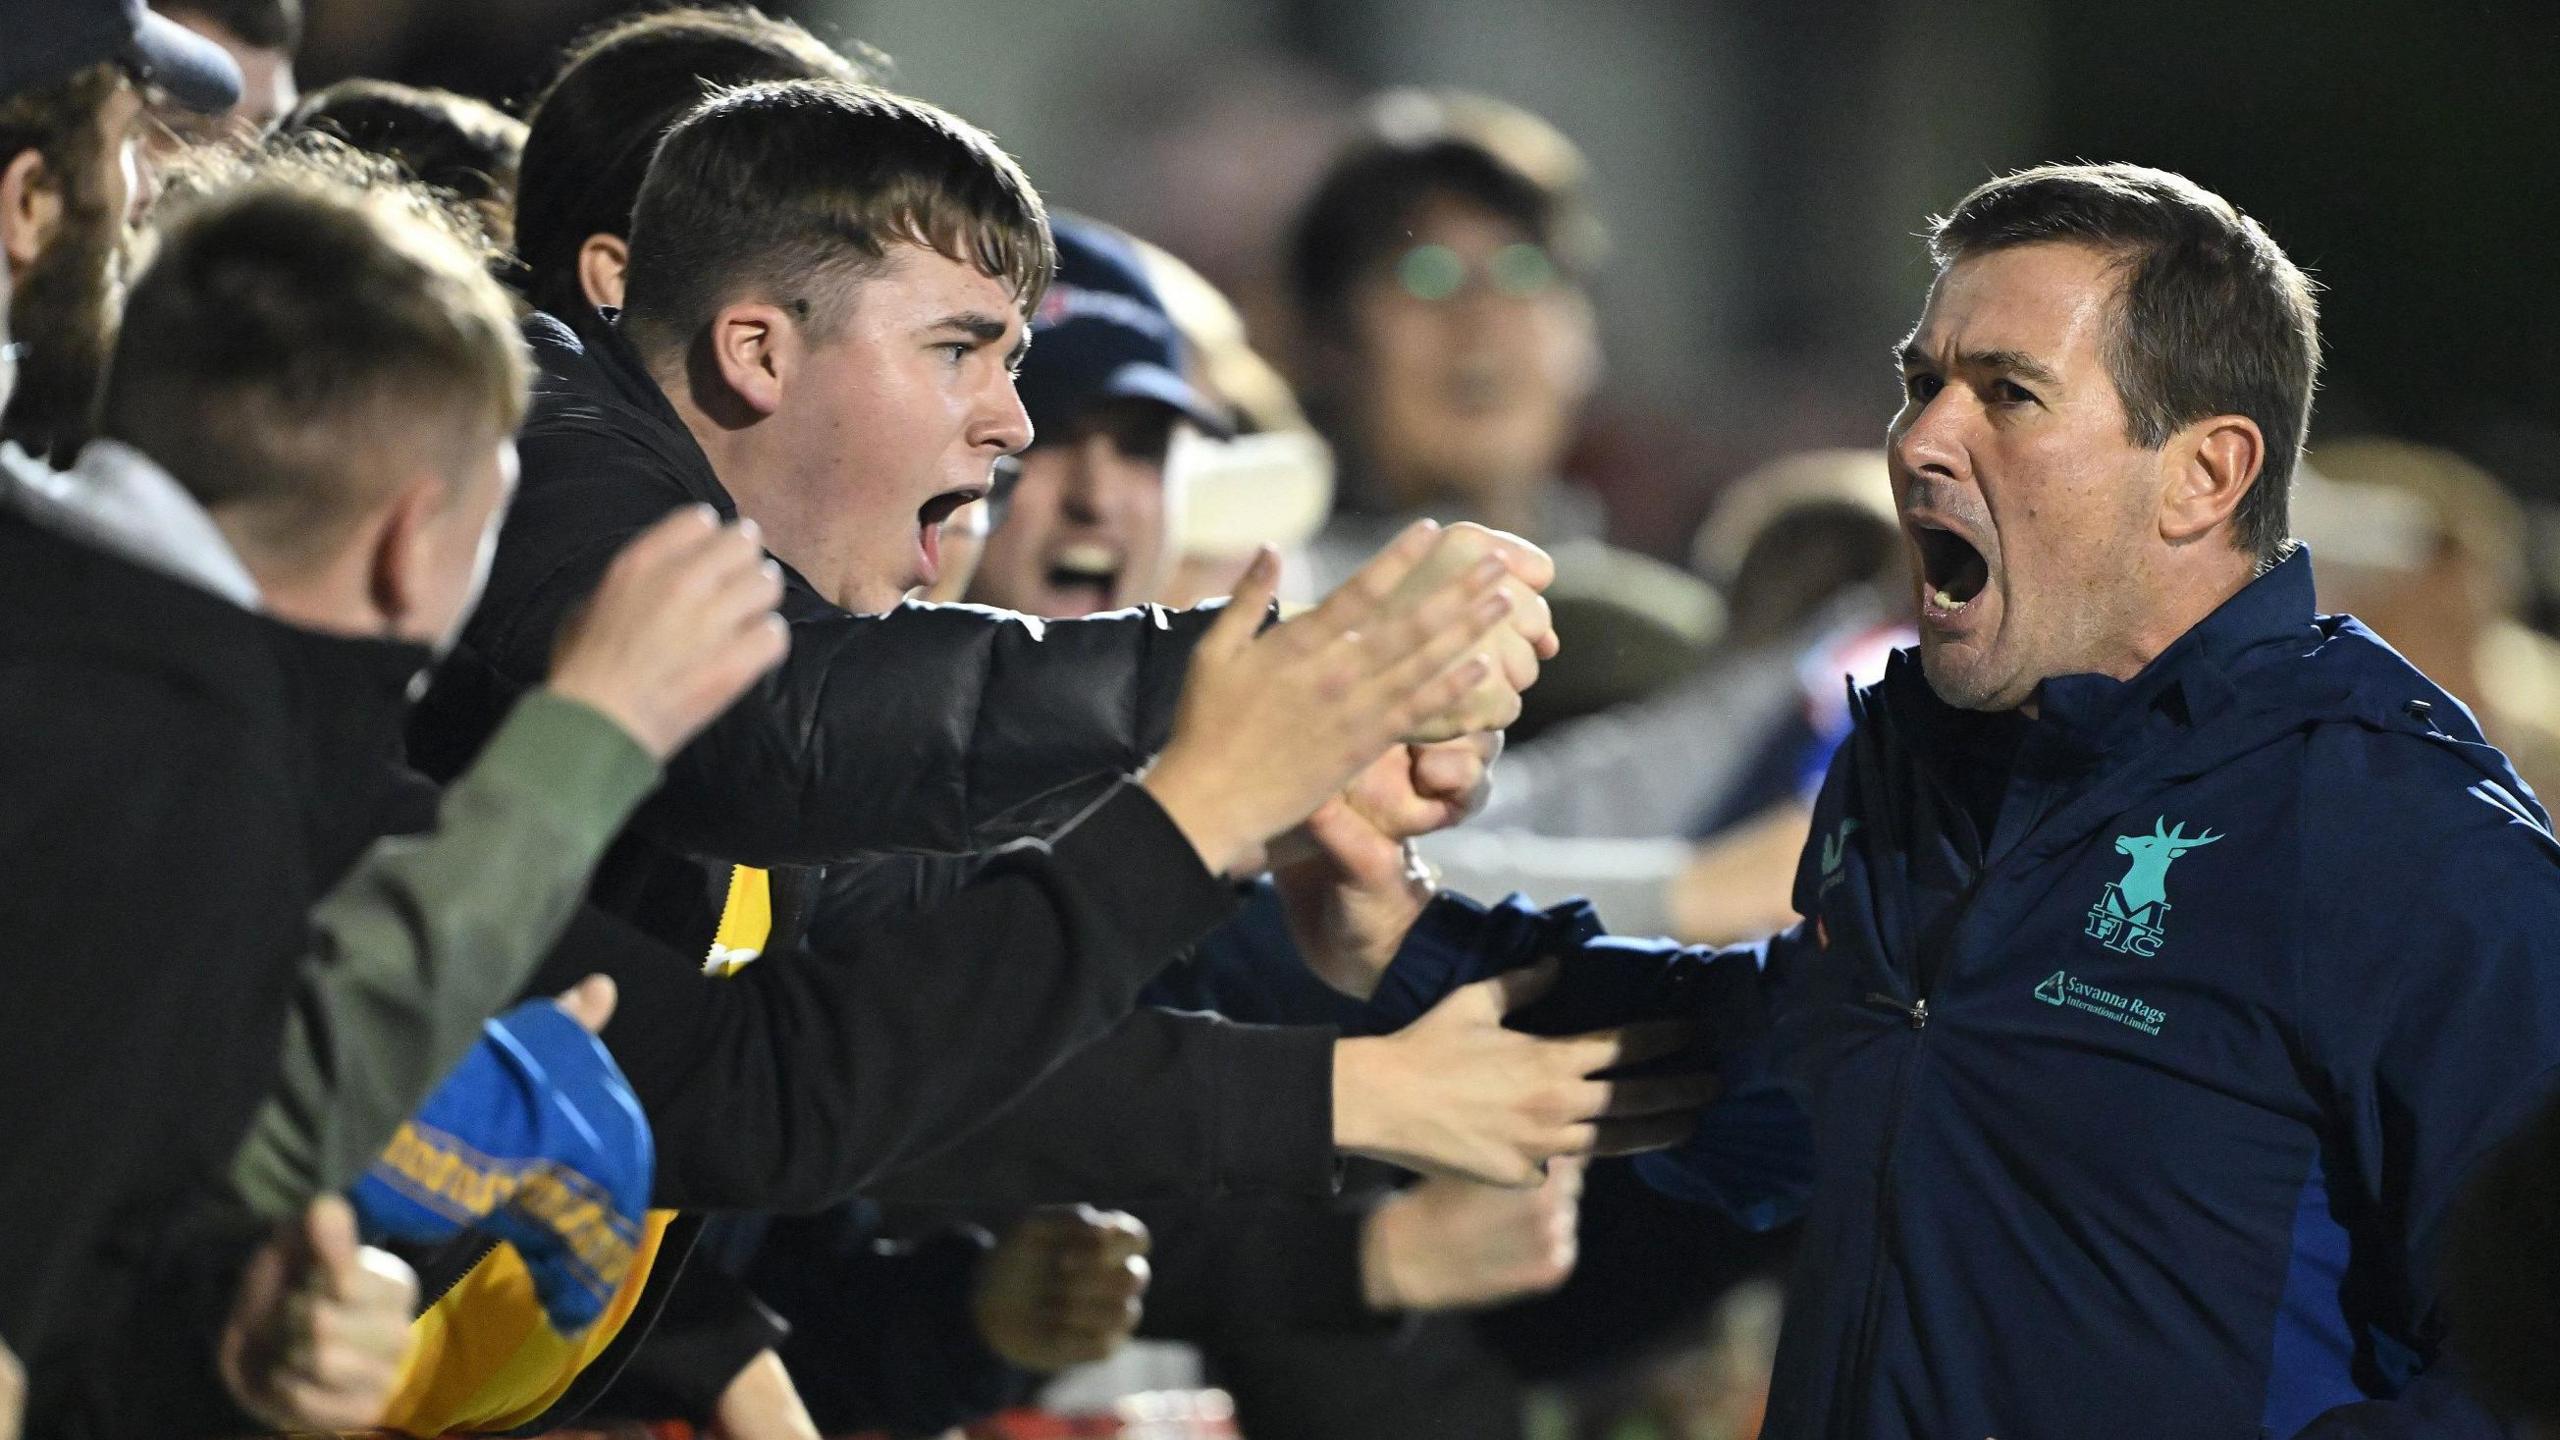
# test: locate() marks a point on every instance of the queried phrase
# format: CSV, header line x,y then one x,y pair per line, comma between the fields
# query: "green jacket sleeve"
x,y
429,936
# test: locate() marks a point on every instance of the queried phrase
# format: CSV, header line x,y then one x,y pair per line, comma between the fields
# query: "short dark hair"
x,y
618,90
792,190
2211,319
287,323
1415,146
452,142
262,24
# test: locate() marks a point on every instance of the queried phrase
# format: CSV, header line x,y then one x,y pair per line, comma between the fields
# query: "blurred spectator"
x,y
74,183
261,37
595,125
1271,482
2431,551
1446,345
453,142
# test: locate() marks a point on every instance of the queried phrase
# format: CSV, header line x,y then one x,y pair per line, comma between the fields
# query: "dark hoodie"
x,y
2145,1043
170,805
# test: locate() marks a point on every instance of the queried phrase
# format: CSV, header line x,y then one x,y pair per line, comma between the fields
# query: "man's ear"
x,y
2210,466
400,575
30,208
754,348
603,261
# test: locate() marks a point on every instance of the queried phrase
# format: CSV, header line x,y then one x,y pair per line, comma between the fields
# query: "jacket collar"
x,y
123,502
591,379
2083,719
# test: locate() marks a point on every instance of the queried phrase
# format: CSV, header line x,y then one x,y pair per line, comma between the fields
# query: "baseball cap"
x,y
50,40
1102,333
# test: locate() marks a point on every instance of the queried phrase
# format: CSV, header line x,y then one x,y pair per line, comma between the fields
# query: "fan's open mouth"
x,y
1086,574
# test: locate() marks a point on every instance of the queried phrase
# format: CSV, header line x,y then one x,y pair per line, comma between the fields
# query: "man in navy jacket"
x,y
2169,954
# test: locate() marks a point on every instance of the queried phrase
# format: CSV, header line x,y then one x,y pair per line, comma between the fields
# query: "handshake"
x,y
1433,639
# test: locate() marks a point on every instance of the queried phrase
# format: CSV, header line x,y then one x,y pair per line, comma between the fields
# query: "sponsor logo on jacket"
x,y
2132,917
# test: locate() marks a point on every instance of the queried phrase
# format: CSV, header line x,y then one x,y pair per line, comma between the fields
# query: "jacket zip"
x,y
1870,1321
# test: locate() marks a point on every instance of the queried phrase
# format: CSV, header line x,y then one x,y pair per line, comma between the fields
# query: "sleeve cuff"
x,y
1274,1117
1456,942
588,774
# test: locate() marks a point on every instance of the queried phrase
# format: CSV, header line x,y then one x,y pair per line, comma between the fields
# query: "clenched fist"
x,y
321,1324
1062,1288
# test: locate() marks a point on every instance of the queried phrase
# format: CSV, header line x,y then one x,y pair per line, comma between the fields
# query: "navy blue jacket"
x,y
2145,1043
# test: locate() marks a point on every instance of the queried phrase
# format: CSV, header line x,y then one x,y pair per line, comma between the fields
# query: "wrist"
x,y
614,707
1199,812
1396,907
1363,1107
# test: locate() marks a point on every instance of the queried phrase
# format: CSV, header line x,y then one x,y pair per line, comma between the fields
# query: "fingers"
x,y
13,1393
590,1002
674,533
1533,628
1663,1095
1241,621
1535,567
1450,770
1515,988
1406,654
329,1244
1643,1133
1376,582
1564,1182
1633,1045
337,1338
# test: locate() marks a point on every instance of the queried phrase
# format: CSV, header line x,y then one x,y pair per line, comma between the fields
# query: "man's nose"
x,y
1933,440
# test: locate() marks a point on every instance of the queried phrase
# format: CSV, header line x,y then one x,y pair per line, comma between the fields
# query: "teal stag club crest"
x,y
2132,917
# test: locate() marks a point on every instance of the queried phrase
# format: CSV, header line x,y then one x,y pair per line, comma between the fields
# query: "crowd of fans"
x,y
676,765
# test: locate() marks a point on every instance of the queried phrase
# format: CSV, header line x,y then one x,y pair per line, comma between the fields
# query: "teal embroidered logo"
x,y
1835,850
2132,917
2062,988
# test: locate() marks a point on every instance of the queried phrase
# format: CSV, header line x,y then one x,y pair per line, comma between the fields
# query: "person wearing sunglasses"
x,y
1447,349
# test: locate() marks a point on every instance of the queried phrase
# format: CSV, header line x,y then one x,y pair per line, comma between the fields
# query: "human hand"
x,y
13,1394
1455,1093
1351,885
680,626
1450,1244
320,1326
1528,638
590,1002
1062,1288
762,1404
1269,725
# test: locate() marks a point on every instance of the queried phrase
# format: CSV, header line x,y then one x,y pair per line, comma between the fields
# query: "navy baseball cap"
x,y
52,40
1102,333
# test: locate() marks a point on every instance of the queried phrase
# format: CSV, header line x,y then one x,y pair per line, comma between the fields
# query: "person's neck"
x,y
2182,596
331,596
728,434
